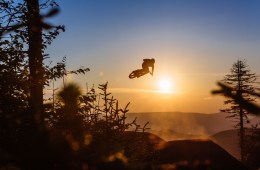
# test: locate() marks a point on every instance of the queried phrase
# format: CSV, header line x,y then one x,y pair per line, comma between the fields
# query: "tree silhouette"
x,y
95,128
251,107
24,23
24,36
252,144
253,147
240,86
14,93
77,129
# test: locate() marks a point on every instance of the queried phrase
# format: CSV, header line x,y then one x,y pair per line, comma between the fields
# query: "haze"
x,y
194,44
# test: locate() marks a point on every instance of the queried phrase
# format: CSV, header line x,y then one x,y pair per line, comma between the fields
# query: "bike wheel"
x,y
132,75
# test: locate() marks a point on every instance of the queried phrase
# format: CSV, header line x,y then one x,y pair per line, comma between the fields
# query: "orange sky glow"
x,y
194,45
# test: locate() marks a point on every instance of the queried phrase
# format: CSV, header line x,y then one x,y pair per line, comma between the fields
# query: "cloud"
x,y
135,90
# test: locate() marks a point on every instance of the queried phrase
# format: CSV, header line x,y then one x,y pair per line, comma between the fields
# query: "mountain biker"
x,y
145,69
148,63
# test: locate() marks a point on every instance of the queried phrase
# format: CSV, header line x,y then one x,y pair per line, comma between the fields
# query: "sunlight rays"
x,y
165,86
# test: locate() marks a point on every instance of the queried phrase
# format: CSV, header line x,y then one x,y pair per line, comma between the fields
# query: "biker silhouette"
x,y
145,69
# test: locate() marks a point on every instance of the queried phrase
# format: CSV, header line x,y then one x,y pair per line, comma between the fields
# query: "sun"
x,y
165,85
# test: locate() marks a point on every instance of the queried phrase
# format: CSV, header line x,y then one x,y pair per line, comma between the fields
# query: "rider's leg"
x,y
144,71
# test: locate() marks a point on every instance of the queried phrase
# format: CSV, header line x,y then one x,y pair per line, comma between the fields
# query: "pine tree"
x,y
24,24
24,37
241,80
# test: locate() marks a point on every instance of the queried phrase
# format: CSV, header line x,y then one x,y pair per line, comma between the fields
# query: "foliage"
x,y
14,75
241,80
253,147
226,90
18,126
95,128
79,131
25,26
98,119
15,65
53,73
239,88
15,20
14,93
252,135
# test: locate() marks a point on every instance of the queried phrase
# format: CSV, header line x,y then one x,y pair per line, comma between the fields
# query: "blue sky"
x,y
194,42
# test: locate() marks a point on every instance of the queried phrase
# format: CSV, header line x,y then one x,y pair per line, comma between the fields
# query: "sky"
x,y
194,44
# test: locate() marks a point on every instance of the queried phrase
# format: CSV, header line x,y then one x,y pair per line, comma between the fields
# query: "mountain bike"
x,y
138,73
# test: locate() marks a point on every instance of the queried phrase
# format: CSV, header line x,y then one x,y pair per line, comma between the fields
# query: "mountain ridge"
x,y
168,124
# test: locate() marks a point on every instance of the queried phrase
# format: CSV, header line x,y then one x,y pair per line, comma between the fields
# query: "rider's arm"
x,y
152,70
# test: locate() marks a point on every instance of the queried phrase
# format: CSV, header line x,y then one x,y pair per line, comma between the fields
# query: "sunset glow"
x,y
193,44
130,84
165,85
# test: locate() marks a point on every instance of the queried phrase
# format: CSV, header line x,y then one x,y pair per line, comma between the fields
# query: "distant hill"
x,y
168,134
179,125
229,140
155,153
